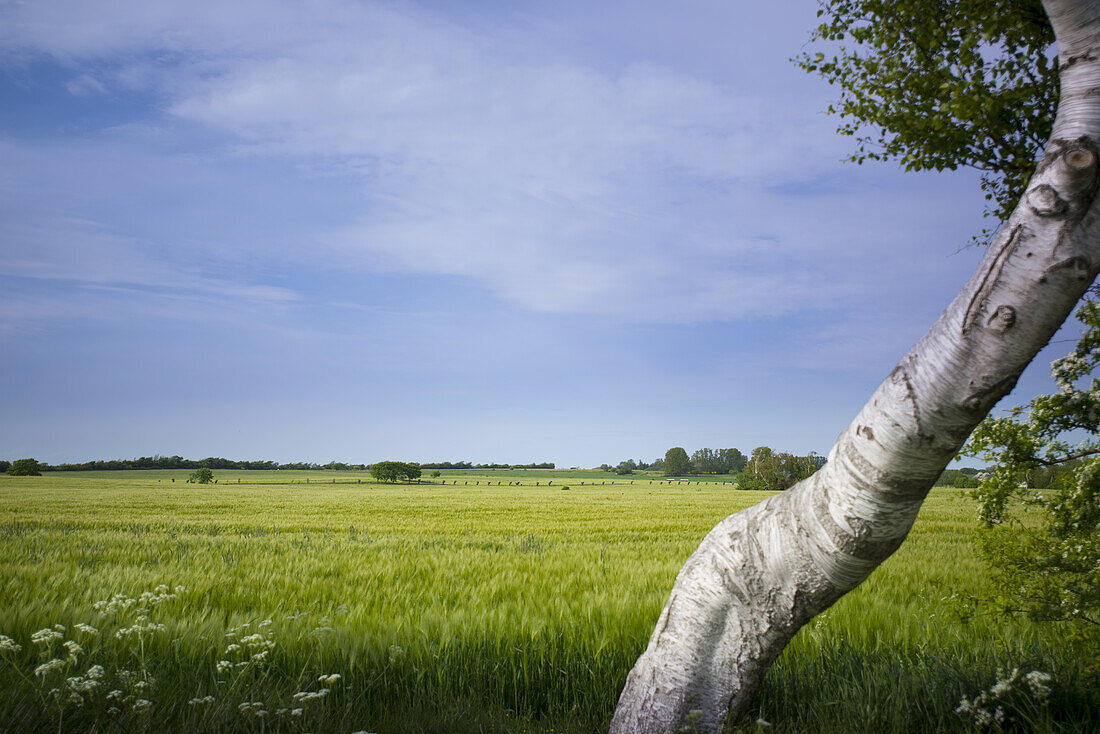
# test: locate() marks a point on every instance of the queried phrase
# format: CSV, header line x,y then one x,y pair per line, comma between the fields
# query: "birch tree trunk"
x,y
762,573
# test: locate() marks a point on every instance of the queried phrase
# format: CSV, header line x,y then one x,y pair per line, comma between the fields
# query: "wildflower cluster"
x,y
46,637
295,713
68,675
136,686
9,645
307,696
245,650
254,708
142,627
121,603
65,669
1015,699
78,688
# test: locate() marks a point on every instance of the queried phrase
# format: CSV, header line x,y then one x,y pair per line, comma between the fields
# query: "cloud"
x,y
632,190
85,271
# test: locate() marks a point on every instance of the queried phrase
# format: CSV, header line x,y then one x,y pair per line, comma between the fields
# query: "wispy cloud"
x,y
635,191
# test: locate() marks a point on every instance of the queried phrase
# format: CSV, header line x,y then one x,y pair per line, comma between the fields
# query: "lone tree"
x,y
391,471
202,475
24,468
762,573
677,463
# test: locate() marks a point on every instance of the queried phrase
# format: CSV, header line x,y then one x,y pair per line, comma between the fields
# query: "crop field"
x,y
324,602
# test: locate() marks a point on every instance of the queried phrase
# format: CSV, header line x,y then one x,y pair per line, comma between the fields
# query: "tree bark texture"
x,y
762,573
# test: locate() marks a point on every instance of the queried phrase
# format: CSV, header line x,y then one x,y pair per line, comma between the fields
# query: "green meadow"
x,y
281,601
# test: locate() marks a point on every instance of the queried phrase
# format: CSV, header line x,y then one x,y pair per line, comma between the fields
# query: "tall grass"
x,y
445,608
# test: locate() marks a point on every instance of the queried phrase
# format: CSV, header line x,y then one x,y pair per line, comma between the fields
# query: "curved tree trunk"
x,y
763,573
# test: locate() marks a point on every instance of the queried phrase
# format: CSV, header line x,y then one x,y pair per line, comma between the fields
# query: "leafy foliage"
x,y
942,84
722,461
202,475
1048,567
391,471
771,470
676,463
24,468
626,467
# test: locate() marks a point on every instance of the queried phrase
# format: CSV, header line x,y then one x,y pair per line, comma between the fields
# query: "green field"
x,y
448,608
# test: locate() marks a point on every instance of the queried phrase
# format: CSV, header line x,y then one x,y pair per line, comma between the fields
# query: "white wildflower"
x,y
81,684
224,666
204,701
232,648
47,668
46,637
1039,683
328,678
297,712
73,648
141,704
306,696
7,644
86,629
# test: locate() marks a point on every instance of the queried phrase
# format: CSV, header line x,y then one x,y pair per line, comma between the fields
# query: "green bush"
x,y
24,468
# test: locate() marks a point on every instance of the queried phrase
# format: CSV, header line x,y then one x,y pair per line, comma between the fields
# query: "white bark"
x,y
763,573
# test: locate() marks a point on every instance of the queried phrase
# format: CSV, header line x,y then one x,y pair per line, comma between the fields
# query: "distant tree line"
x,y
178,462
768,469
703,461
966,478
765,469
468,465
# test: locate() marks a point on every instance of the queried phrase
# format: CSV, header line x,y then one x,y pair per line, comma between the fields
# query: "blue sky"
x,y
483,231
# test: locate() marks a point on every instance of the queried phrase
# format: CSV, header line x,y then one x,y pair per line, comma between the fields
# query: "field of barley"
x,y
324,602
